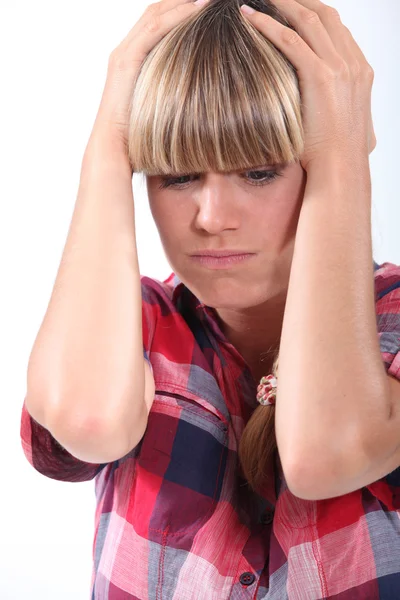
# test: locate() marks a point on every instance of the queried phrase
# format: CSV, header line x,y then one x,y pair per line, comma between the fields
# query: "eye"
x,y
261,178
264,177
173,181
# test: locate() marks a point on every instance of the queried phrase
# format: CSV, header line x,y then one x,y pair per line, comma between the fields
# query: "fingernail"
x,y
200,2
247,9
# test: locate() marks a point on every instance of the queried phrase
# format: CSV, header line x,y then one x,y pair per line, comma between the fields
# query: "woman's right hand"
x,y
125,62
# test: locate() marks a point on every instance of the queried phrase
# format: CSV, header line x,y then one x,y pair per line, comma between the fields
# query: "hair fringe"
x,y
215,95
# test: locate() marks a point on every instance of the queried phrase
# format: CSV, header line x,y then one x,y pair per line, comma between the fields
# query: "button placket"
x,y
247,578
267,518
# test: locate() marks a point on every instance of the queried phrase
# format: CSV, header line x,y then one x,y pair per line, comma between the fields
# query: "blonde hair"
x,y
216,95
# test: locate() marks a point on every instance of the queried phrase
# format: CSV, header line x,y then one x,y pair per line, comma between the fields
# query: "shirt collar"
x,y
181,295
206,314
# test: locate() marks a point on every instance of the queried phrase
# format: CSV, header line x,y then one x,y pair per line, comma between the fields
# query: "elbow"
x,y
91,442
297,481
311,480
302,490
328,469
93,439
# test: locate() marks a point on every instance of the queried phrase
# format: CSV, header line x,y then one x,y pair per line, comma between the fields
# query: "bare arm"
x,y
86,373
88,381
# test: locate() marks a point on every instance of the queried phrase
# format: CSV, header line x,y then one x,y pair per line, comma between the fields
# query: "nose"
x,y
216,208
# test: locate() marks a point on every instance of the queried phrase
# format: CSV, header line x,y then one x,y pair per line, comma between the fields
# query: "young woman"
x,y
241,418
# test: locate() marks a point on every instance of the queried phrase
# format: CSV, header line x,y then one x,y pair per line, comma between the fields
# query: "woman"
x,y
254,134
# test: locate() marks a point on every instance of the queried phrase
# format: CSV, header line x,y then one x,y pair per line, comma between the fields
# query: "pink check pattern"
x,y
175,519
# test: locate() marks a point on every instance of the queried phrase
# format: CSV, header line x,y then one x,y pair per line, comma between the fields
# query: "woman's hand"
x,y
335,78
125,62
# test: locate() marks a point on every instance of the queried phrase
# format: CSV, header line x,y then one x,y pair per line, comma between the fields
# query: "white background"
x,y
53,67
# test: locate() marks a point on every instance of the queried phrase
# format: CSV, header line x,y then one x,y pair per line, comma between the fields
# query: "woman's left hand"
x,y
335,78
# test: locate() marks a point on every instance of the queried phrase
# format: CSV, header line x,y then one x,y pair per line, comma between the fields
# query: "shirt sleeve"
x,y
48,457
388,321
43,451
149,318
387,489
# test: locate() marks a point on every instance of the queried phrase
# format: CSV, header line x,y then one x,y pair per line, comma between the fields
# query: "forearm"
x,y
332,384
86,366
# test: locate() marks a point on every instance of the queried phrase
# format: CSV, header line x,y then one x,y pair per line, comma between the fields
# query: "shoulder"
x,y
387,308
387,280
153,288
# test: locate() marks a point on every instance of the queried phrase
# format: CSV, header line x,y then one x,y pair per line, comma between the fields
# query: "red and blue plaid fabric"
x,y
174,518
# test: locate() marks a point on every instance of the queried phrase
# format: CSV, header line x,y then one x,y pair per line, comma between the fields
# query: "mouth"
x,y
221,253
221,262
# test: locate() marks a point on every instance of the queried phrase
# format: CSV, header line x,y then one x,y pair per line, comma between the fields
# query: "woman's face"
x,y
247,211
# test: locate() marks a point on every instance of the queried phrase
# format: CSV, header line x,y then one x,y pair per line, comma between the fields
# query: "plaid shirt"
x,y
174,518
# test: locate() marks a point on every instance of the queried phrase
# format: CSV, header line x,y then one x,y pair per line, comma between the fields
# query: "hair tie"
x,y
266,391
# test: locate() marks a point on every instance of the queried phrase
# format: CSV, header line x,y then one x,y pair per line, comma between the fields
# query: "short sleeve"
x,y
48,457
43,451
387,282
150,311
388,317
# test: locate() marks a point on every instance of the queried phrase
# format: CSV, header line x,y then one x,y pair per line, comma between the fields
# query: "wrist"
x,y
106,150
335,170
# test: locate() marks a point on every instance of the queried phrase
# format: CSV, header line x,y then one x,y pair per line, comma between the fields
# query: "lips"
x,y
222,262
221,253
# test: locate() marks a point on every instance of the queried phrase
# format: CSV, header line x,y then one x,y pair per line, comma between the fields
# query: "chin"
x,y
225,294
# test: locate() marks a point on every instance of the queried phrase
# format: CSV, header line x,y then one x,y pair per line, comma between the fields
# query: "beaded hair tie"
x,y
266,391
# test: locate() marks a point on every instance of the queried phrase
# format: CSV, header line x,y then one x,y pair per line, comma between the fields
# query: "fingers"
x,y
166,5
288,41
160,23
157,20
312,37
341,37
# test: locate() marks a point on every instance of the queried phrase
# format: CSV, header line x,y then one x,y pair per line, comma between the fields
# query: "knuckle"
x,y
309,17
290,37
347,32
119,60
152,9
153,25
369,73
324,74
182,8
116,63
331,13
115,57
342,68
356,70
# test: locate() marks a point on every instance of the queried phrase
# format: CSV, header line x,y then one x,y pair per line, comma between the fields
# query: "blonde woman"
x,y
221,474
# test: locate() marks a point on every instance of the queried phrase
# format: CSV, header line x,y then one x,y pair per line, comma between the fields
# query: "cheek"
x,y
161,215
278,222
156,211
171,219
170,229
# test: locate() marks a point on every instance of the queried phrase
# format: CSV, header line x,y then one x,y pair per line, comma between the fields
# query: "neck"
x,y
255,333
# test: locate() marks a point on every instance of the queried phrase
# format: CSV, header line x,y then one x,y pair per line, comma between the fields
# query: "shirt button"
x,y
267,518
247,578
